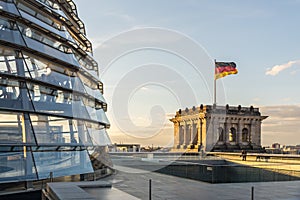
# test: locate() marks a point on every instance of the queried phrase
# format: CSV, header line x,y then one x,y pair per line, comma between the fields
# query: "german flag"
x,y
224,68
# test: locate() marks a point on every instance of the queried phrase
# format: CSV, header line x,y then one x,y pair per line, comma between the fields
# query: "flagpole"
x,y
215,85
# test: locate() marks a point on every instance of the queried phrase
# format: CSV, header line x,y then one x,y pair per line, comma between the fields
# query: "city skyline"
x,y
260,37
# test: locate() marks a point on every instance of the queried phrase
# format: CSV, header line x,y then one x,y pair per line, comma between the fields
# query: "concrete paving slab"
x,y
91,190
171,187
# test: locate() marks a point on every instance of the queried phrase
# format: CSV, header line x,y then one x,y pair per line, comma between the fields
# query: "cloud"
x,y
282,125
278,68
256,99
119,15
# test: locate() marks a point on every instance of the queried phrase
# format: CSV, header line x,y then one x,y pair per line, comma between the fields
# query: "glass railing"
x,y
17,166
62,163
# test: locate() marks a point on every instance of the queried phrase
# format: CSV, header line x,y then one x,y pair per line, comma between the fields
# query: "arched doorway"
x,y
232,135
220,134
245,135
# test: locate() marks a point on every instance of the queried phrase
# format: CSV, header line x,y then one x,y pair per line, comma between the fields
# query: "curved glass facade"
x,y
52,110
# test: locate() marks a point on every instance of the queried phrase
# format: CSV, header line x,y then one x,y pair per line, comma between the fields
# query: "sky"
x,y
157,56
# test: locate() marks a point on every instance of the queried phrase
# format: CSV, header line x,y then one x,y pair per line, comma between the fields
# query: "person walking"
x,y
244,155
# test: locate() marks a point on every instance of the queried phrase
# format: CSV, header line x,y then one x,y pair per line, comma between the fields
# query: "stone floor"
x,y
136,183
87,190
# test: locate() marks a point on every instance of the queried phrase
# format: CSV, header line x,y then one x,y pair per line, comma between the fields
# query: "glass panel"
x,y
47,148
47,72
48,23
100,154
50,4
99,137
65,148
93,108
62,163
92,88
43,23
88,64
38,36
53,74
93,73
8,64
60,131
16,166
102,116
9,89
27,12
49,131
15,128
9,7
98,134
95,93
79,110
10,32
63,103
38,46
42,93
11,96
83,134
78,85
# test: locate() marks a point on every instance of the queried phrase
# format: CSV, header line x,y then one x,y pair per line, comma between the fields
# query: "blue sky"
x,y
261,36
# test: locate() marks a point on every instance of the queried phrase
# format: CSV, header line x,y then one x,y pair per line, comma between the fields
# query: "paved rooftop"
x,y
90,190
136,182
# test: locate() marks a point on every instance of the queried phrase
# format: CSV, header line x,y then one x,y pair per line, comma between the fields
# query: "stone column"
x,y
176,134
252,131
240,131
223,128
215,130
195,133
258,132
226,131
180,134
235,126
199,130
187,134
184,134
192,133
203,133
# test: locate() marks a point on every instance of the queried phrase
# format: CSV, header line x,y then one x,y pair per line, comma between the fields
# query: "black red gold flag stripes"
x,y
224,68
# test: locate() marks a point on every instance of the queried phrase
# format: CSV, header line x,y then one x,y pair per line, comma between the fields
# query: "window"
x,y
245,135
232,135
220,134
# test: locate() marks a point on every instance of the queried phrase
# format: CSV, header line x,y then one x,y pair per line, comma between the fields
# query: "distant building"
x,y
218,128
276,146
125,148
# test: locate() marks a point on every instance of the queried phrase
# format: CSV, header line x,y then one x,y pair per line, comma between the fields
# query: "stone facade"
x,y
218,128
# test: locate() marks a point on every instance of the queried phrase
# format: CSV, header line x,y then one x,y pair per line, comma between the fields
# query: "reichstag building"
x,y
218,128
